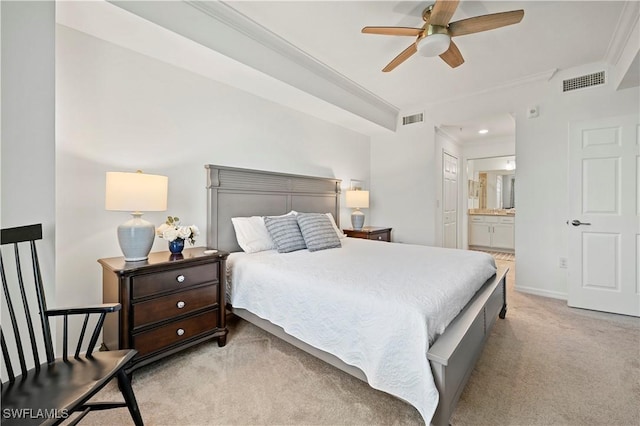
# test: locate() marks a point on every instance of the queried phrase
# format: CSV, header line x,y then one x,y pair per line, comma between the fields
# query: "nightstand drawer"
x,y
380,236
174,333
172,305
369,233
175,279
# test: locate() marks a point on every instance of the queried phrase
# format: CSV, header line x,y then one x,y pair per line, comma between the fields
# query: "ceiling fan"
x,y
434,38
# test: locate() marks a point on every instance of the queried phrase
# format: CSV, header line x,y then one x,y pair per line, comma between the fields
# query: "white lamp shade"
x,y
434,44
136,192
357,199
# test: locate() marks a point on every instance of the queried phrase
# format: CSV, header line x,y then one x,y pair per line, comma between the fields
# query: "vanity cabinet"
x,y
496,232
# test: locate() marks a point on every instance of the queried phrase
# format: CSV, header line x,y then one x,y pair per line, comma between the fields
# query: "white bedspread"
x,y
374,305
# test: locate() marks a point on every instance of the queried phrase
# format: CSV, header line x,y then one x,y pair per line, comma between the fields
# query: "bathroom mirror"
x,y
492,183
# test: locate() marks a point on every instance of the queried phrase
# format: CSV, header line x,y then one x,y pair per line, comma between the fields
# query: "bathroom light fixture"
x,y
483,131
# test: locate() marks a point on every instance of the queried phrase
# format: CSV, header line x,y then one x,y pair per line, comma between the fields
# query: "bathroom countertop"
x,y
492,212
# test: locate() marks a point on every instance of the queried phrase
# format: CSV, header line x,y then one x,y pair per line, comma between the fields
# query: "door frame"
x,y
442,198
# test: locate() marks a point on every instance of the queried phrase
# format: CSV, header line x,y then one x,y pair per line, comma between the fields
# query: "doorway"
x,y
449,200
491,208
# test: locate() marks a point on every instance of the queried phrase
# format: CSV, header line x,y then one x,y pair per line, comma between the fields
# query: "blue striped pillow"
x,y
285,233
318,231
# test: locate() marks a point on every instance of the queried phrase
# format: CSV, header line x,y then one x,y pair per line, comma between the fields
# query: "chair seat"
x,y
61,385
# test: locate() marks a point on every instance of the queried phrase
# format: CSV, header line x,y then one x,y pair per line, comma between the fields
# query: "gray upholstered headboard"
x,y
234,192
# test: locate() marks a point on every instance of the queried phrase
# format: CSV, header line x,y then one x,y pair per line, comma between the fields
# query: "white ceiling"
x,y
553,35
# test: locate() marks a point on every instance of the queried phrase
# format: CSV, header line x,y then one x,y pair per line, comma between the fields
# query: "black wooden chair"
x,y
50,392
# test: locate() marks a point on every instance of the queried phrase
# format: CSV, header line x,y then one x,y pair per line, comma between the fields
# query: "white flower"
x,y
170,234
161,229
183,232
172,230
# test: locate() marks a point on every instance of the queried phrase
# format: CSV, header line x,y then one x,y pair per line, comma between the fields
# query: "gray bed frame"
x,y
235,192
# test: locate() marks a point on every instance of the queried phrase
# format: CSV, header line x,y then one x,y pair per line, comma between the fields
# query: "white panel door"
x,y
450,203
604,234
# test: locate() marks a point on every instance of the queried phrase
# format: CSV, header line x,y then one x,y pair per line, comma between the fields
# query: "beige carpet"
x,y
545,364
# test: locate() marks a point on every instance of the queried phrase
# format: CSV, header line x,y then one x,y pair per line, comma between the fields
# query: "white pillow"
x,y
335,227
252,234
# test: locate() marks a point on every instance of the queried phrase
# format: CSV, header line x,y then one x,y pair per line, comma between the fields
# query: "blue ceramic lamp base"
x,y
357,220
136,238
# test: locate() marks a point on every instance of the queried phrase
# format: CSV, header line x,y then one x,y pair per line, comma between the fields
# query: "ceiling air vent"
x,y
581,82
415,118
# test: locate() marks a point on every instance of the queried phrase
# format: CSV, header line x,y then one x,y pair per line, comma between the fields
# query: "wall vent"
x,y
415,118
581,82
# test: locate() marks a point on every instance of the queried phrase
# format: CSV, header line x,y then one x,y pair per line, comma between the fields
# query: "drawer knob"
x,y
379,238
180,278
180,304
180,331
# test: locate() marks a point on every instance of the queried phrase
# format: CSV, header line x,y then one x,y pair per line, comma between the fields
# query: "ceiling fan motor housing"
x,y
434,41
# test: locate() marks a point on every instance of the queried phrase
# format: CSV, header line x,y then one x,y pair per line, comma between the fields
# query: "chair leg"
x,y
127,392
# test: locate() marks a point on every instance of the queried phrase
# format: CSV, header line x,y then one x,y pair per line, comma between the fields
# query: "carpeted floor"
x,y
545,364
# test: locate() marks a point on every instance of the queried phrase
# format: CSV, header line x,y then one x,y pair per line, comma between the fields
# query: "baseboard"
x,y
544,293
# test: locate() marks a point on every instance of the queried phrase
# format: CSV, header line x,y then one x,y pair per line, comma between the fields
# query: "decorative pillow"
x,y
285,232
317,231
335,227
252,234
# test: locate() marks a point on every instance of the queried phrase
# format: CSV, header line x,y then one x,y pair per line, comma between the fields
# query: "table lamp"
x,y
357,200
135,193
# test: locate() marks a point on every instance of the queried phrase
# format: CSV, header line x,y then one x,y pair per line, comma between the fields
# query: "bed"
x,y
432,384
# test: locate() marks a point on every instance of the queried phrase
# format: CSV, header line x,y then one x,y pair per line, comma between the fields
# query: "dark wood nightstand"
x,y
370,233
169,303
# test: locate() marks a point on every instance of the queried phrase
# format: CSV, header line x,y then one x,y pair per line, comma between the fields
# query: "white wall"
x,y
403,188
542,193
541,155
28,120
27,150
118,110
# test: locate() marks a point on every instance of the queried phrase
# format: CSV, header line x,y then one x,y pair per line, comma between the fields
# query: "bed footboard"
x,y
454,355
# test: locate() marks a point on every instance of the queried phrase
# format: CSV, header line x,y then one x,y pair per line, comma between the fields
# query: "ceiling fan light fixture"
x,y
434,44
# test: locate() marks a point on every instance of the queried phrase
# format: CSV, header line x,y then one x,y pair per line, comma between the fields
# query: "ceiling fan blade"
x,y
452,56
403,56
395,31
442,12
485,23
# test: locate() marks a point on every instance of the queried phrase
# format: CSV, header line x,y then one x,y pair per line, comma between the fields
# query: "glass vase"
x,y
176,246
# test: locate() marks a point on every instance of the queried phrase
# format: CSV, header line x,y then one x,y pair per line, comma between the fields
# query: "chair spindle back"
x,y
16,306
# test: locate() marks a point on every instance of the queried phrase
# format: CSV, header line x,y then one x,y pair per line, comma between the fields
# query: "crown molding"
x,y
532,78
629,18
236,20
218,26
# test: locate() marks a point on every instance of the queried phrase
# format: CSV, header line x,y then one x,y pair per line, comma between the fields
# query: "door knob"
x,y
576,222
